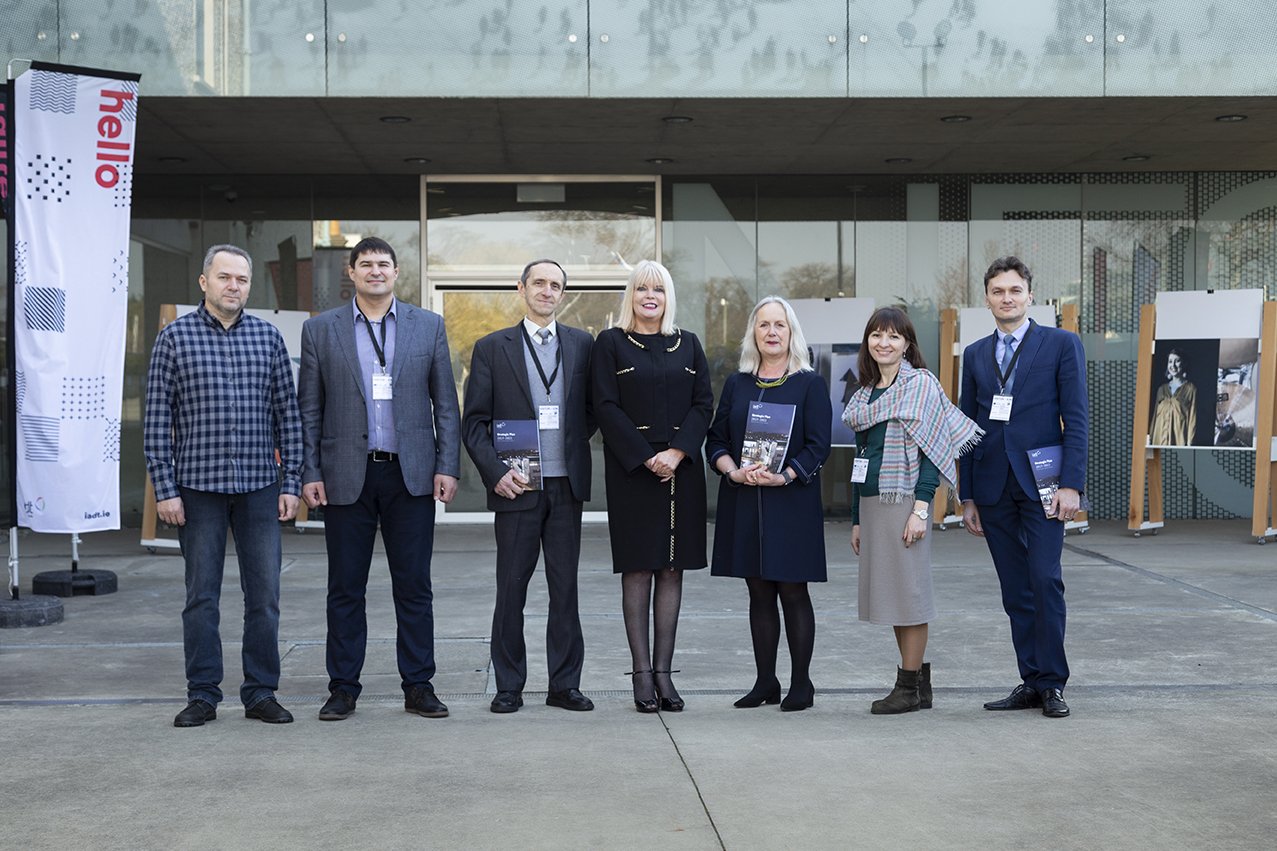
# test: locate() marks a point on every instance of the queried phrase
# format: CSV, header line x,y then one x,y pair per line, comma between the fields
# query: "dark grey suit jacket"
x,y
330,389
498,389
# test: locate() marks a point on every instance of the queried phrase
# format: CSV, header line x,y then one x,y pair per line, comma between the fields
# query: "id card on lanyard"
x,y
1000,410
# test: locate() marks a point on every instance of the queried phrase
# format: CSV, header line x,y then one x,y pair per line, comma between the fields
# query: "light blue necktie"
x,y
1008,353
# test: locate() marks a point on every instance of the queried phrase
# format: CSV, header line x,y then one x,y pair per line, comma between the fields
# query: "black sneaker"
x,y
269,711
340,706
195,714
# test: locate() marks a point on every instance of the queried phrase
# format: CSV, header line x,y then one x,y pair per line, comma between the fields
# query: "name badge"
x,y
548,417
860,470
381,388
1001,409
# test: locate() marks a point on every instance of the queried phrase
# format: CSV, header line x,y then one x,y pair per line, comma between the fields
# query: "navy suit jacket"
x,y
498,389
1049,407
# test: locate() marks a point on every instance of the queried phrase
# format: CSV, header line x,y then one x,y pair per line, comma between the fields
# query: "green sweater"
x,y
869,445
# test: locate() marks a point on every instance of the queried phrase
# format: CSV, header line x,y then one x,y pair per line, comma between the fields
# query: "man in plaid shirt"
x,y
219,402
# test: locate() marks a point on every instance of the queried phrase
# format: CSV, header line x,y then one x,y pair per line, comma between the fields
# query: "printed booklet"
x,y
518,445
1045,462
767,435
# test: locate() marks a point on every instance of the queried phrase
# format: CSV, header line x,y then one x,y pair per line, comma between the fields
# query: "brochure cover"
x,y
1045,462
767,435
518,445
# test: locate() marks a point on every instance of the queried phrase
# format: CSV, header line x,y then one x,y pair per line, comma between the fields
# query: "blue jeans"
x,y
253,518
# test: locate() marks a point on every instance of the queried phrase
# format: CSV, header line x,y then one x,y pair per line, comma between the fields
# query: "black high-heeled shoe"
x,y
669,704
761,693
645,705
799,699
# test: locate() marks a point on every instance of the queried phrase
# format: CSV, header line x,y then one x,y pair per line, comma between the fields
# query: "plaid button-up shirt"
x,y
219,402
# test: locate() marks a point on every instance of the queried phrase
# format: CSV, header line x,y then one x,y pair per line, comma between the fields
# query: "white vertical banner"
x,y
72,132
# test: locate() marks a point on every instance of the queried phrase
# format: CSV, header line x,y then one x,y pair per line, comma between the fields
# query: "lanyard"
x,y
536,361
1015,356
380,350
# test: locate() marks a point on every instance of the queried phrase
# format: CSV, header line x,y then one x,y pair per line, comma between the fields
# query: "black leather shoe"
x,y
339,706
195,714
760,694
646,705
421,700
506,701
569,699
1021,697
269,711
799,698
1053,705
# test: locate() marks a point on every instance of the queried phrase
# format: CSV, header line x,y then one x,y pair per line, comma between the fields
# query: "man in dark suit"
x,y
537,370
373,376
1026,387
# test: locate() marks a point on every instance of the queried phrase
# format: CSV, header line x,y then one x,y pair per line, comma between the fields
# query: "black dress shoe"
x,y
195,714
1053,705
672,703
421,700
569,699
339,706
1021,697
269,711
506,701
645,705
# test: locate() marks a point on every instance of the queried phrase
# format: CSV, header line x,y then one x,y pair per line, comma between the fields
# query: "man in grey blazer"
x,y
381,428
536,371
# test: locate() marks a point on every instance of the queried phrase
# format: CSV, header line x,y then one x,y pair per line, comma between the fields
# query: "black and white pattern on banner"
x,y
21,255
111,440
83,397
41,436
21,379
120,272
128,112
122,192
45,308
48,178
53,91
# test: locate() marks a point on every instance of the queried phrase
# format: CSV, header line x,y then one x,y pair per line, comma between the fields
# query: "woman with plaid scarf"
x,y
908,436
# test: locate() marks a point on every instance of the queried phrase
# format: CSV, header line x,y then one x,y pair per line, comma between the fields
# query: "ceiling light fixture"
x,y
677,119
898,160
660,160
1137,158
955,119
1230,118
417,160
394,119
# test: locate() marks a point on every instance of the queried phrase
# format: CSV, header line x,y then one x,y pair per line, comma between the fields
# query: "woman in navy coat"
x,y
770,526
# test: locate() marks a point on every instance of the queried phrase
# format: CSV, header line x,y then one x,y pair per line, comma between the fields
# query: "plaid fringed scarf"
x,y
919,416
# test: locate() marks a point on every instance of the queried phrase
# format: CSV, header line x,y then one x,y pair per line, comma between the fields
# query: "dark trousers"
x,y
1026,546
408,531
552,528
253,519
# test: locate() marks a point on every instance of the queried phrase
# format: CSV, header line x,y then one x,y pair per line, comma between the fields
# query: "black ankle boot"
x,y
903,698
800,697
762,692
924,686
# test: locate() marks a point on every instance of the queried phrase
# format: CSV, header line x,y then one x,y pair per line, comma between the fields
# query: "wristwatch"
x,y
921,513
784,474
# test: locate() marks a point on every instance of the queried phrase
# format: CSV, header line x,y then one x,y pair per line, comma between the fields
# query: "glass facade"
x,y
636,48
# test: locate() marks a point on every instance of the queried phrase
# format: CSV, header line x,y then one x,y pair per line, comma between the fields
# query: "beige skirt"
x,y
895,581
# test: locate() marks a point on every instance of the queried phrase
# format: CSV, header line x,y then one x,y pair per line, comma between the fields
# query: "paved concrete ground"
x,y
1173,741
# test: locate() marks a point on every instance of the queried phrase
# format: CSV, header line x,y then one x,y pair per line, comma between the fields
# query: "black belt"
x,y
380,455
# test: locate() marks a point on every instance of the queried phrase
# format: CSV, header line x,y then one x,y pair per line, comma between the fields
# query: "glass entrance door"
x,y
479,233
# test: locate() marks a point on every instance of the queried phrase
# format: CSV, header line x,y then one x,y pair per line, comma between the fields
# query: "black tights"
x,y
637,600
764,628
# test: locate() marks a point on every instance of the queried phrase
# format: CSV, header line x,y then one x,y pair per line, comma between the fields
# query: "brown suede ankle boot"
x,y
903,698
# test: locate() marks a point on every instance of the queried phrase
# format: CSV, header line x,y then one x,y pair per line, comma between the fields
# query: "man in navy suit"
x,y
1026,387
536,370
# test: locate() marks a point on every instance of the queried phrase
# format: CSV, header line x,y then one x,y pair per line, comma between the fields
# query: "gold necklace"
x,y
674,347
767,383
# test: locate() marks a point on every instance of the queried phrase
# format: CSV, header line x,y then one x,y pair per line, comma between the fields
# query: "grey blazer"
x,y
330,390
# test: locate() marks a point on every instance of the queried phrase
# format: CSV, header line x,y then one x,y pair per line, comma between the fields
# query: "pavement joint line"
x,y
1267,614
618,694
692,777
